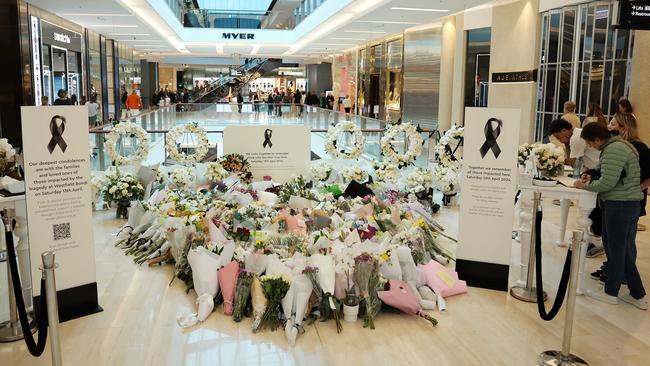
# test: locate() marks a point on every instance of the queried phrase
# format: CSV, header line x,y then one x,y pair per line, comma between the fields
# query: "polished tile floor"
x,y
483,327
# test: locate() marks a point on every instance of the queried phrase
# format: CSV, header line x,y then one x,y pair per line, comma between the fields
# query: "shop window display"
x,y
582,58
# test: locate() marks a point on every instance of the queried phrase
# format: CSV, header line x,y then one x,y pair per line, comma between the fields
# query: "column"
x,y
448,37
640,82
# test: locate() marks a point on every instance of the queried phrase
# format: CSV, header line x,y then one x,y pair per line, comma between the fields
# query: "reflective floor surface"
x,y
138,325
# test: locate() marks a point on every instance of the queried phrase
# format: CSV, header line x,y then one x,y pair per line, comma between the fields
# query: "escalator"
x,y
230,85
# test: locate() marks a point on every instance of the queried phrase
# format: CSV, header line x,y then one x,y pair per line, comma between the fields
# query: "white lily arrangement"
x,y
122,187
549,159
446,179
182,178
418,180
354,172
215,172
386,171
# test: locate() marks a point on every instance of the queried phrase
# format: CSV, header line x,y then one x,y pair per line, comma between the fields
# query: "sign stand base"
x,y
76,302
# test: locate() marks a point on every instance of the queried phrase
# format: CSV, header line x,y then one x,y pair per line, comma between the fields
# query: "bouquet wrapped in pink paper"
x,y
228,281
401,296
442,280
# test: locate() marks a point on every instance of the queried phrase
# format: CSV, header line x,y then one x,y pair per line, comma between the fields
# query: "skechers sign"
x,y
238,36
63,38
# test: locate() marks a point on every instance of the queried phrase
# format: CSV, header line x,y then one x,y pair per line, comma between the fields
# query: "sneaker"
x,y
596,275
593,251
600,295
641,303
603,278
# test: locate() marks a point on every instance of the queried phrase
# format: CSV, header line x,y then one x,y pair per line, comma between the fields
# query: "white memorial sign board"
x,y
489,186
58,192
276,151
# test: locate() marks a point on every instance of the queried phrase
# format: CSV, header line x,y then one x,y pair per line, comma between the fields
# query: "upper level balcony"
x,y
250,14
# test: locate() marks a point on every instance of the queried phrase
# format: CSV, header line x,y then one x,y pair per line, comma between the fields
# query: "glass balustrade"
x,y
215,117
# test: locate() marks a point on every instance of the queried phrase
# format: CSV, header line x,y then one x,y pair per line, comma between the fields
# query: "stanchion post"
x,y
528,293
11,331
52,306
564,357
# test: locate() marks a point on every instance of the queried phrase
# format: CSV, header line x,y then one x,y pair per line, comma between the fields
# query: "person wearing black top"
x,y
269,104
155,99
240,102
297,100
62,99
330,101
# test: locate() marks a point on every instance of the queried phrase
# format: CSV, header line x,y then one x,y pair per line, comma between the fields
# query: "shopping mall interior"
x,y
324,182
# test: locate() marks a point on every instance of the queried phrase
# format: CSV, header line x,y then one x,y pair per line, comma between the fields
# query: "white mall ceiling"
x,y
148,26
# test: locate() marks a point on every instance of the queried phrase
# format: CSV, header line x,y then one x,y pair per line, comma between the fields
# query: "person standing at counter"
x,y
619,188
62,98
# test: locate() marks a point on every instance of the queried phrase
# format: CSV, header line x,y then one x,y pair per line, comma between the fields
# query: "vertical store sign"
x,y
36,61
58,198
489,185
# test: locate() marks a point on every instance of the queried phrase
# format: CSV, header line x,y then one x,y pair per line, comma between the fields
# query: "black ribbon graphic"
x,y
267,138
57,134
491,136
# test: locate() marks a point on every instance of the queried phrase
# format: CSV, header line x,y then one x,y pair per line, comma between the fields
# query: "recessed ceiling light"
x,y
349,39
150,45
386,22
112,26
422,9
360,31
140,40
129,34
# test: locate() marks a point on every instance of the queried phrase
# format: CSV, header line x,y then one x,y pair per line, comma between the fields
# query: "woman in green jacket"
x,y
619,187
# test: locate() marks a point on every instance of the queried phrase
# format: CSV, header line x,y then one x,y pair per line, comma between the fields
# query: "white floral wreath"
x,y
127,128
332,135
177,132
414,144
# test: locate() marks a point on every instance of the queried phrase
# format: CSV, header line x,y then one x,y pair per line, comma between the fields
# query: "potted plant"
x,y
351,306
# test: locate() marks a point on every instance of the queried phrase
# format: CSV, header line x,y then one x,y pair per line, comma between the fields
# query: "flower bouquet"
x,y
524,152
320,171
418,180
7,158
237,164
549,160
354,172
122,189
366,278
259,303
242,294
386,171
400,296
228,282
215,172
295,306
275,289
327,282
182,178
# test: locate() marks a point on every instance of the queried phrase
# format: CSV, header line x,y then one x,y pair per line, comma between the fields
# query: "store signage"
x,y
64,38
238,36
514,77
634,14
489,185
58,198
36,62
276,151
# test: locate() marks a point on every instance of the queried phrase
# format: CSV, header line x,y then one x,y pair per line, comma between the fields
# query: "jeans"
x,y
619,236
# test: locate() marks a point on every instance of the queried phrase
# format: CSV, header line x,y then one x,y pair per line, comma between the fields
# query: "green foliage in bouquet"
x,y
299,186
275,289
242,294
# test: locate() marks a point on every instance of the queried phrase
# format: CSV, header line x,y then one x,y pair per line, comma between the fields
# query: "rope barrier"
x,y
564,281
36,348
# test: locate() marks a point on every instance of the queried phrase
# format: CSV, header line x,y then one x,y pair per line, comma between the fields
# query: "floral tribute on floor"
x,y
336,245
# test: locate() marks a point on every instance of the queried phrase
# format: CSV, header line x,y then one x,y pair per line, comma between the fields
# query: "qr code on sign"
x,y
61,231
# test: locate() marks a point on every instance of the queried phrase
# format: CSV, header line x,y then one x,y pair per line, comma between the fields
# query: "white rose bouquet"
x,y
182,178
7,157
446,179
122,187
419,180
524,153
386,172
354,172
320,171
550,159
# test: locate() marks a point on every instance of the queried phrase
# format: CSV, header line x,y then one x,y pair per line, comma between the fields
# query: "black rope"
x,y
564,281
35,348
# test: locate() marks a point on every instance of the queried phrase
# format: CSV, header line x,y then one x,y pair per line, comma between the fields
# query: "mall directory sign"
x,y
489,186
58,199
634,14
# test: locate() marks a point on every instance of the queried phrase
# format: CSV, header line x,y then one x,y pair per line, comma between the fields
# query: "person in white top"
x,y
570,114
578,150
93,111
347,104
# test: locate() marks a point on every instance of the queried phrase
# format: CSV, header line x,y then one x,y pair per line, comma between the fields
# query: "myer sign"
x,y
238,36
64,38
